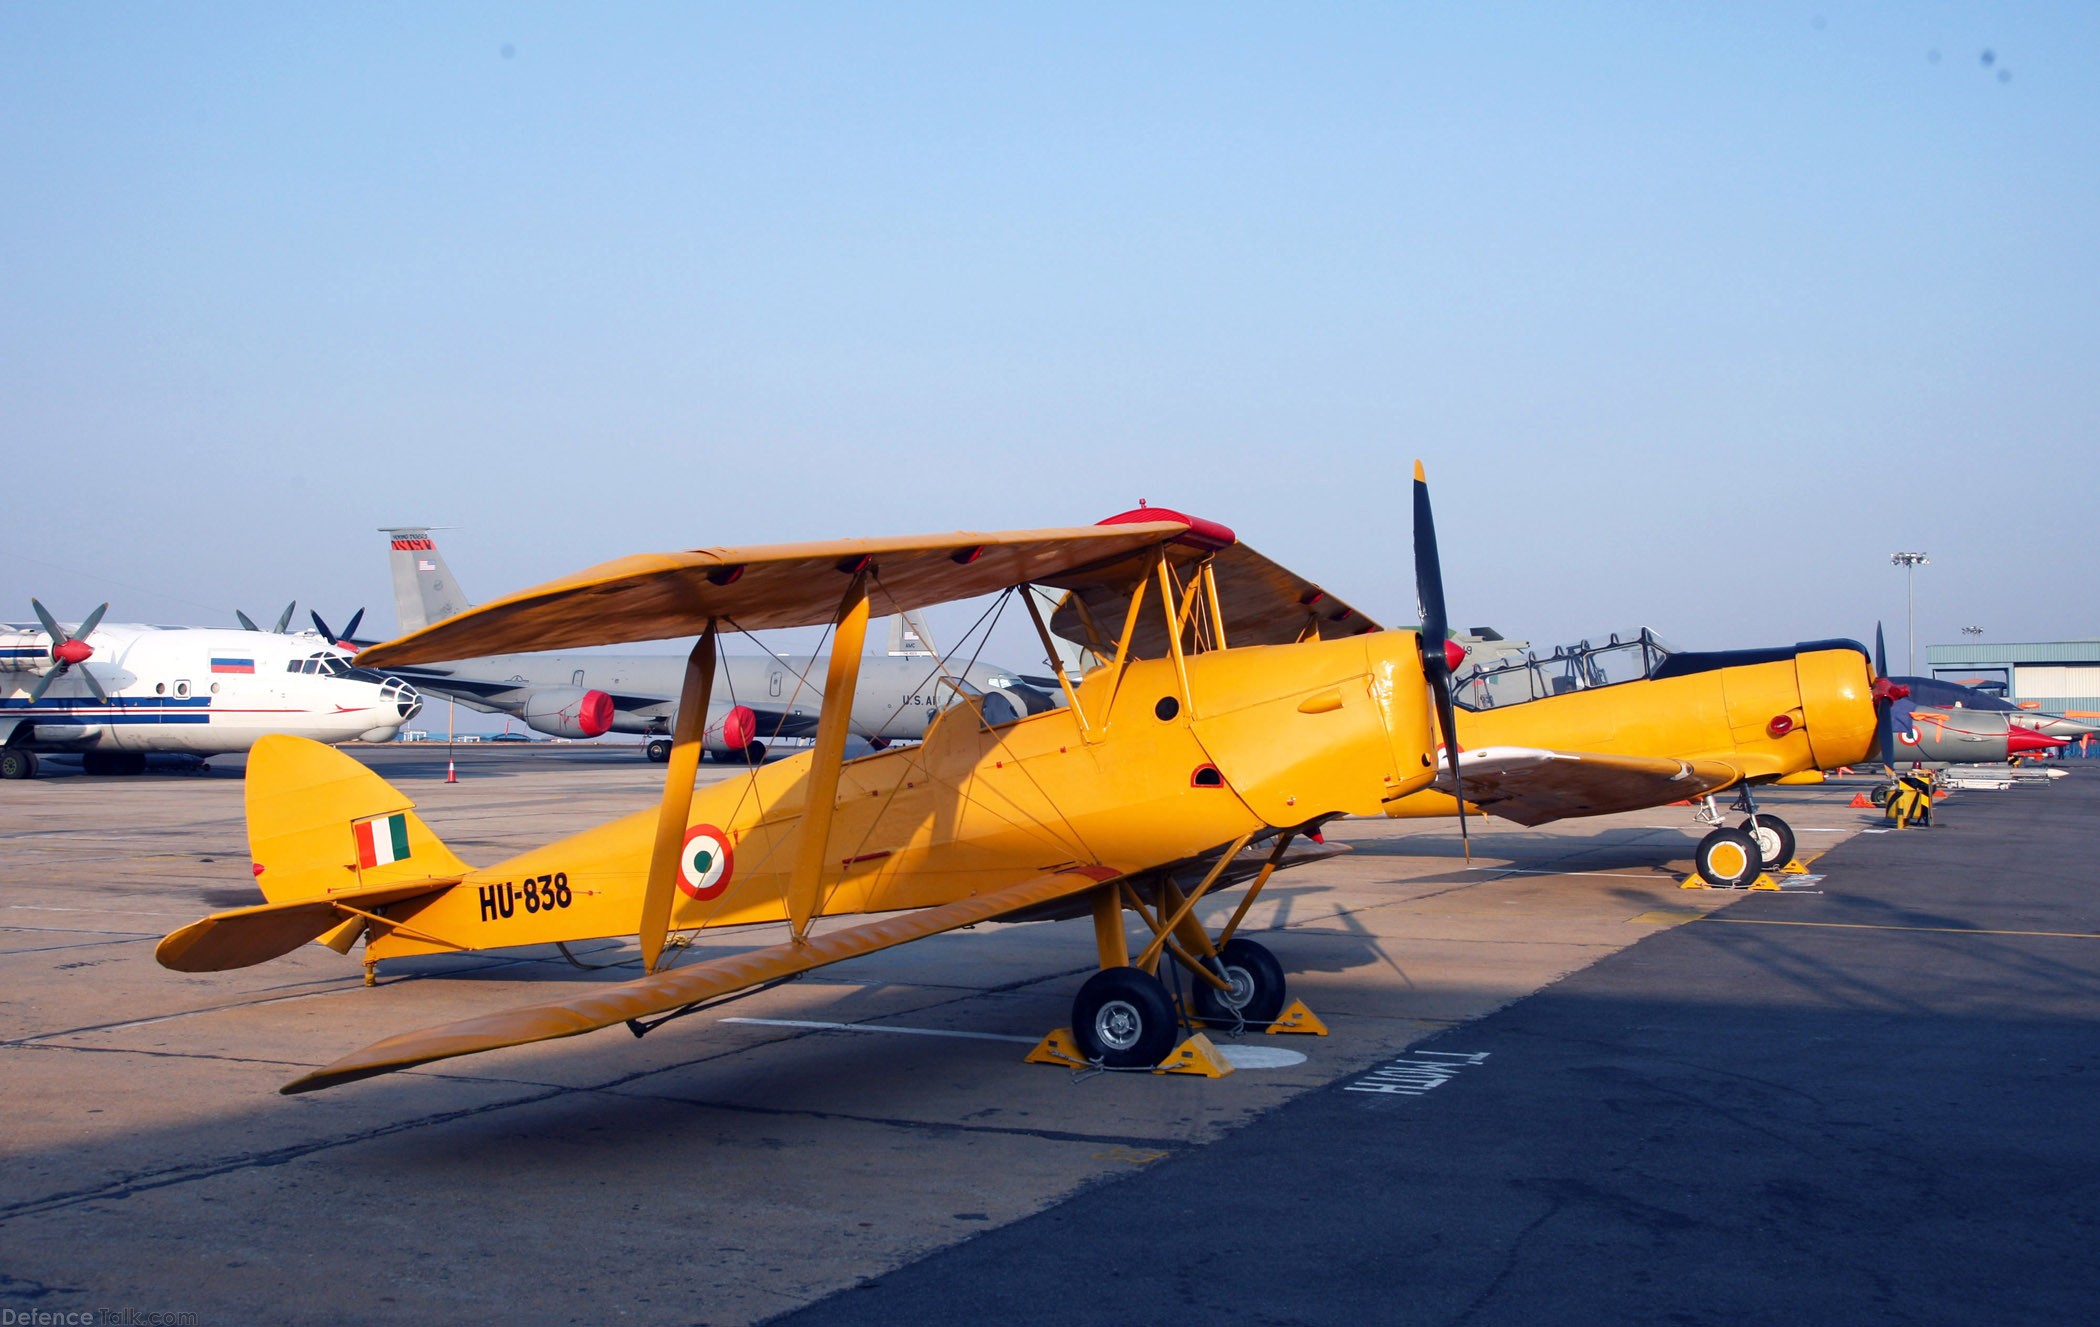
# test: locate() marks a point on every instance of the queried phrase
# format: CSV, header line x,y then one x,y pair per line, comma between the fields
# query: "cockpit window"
x,y
323,665
1583,666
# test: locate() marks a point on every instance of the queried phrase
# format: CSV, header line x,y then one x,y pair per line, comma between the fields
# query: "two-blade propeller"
x,y
67,652
1441,655
347,639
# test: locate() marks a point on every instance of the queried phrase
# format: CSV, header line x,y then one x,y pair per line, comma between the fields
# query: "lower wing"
x,y
664,992
1532,786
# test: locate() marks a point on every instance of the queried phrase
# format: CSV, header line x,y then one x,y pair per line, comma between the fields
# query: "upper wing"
x,y
679,987
1531,786
1263,603
654,596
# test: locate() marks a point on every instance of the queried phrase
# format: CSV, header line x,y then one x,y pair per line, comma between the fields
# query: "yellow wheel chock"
x,y
1198,1055
1297,1018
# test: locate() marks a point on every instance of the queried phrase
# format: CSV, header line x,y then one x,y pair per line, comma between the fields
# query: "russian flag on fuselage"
x,y
219,665
381,840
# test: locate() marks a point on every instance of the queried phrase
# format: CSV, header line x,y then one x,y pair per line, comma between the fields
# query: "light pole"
x,y
1910,562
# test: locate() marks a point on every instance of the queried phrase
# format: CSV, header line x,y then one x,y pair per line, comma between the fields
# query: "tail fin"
x,y
330,840
909,637
424,591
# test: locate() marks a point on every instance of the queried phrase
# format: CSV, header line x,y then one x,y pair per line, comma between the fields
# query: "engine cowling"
x,y
731,736
568,712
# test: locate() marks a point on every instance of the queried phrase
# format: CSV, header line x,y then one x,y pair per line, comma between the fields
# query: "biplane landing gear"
x,y
1256,985
1728,859
1124,1018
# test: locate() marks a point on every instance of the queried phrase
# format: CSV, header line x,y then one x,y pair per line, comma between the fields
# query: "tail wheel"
x,y
1775,839
17,763
1728,859
1257,983
1123,1018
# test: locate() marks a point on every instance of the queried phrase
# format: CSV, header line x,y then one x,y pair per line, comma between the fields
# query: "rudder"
x,y
320,823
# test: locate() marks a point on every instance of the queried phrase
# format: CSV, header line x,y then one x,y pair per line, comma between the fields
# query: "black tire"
x,y
1123,1018
17,763
755,752
1775,838
1727,859
1257,986
657,750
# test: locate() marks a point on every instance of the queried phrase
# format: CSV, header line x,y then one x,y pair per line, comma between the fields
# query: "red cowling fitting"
x,y
594,713
72,651
739,726
1454,655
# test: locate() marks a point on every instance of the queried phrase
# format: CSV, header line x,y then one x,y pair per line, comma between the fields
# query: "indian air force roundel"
x,y
706,863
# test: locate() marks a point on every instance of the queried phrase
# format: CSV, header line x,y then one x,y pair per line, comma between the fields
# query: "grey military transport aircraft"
x,y
756,697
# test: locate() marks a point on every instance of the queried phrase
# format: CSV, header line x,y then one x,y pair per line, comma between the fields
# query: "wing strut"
x,y
676,808
821,790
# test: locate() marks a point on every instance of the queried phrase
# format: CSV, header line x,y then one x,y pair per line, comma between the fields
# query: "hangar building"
x,y
2060,677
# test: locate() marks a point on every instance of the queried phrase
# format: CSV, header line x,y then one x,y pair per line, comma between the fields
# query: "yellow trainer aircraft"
x,y
1209,737
1627,724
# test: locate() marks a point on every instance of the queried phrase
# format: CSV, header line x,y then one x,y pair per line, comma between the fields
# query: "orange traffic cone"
x,y
451,775
1860,799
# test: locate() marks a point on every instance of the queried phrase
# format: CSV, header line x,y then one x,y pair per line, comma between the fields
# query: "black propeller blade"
x,y
349,635
1435,640
1886,694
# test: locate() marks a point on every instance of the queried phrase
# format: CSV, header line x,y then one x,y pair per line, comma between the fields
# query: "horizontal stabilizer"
x,y
666,991
247,936
1532,786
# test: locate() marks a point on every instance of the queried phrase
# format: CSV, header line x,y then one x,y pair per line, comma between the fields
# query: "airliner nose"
x,y
407,701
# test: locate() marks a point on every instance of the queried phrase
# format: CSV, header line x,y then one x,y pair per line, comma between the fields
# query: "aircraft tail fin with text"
x,y
424,591
331,842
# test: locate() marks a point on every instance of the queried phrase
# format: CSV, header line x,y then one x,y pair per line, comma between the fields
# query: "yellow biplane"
x,y
1600,728
1238,709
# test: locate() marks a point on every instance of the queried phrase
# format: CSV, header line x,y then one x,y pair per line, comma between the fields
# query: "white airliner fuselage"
x,y
196,690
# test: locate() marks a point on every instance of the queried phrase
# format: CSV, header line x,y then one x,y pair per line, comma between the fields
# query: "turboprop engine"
x,y
569,712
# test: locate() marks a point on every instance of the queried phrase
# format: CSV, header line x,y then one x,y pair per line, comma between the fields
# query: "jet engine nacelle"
x,y
568,712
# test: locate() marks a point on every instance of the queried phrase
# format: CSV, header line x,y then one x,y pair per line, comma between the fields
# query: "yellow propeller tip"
x,y
1420,478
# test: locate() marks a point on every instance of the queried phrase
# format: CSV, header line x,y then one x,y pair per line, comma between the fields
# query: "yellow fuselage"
x,y
1152,774
1725,714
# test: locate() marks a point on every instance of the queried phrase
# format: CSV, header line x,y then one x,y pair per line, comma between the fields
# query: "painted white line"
x,y
875,1027
1259,1057
1518,870
1236,1055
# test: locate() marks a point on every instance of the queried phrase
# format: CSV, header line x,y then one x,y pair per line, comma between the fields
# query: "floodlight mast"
x,y
1910,562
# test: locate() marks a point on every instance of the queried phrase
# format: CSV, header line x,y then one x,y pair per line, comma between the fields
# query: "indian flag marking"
x,y
705,863
381,841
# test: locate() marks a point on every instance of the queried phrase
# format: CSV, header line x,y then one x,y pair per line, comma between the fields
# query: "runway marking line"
x,y
818,1026
1886,926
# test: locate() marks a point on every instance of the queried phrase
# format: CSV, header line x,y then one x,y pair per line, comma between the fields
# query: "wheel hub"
x,y
1119,1025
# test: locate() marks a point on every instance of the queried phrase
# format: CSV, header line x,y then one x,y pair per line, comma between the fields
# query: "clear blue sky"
x,y
1696,313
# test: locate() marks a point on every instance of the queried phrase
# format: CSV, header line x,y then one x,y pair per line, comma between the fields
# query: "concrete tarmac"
x,y
1875,1104
750,1161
